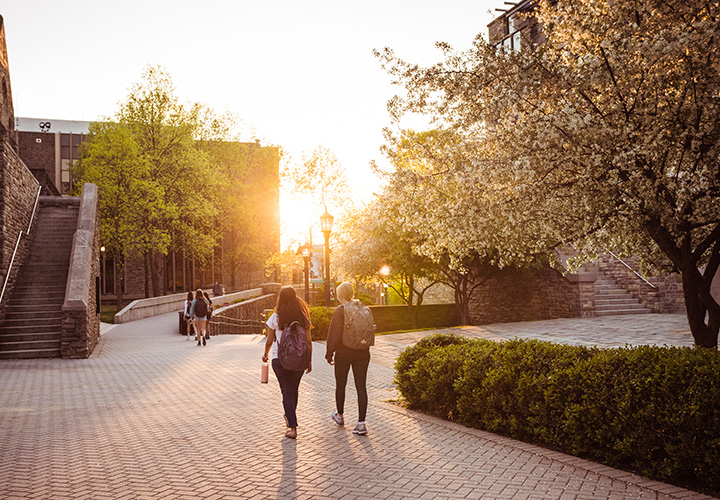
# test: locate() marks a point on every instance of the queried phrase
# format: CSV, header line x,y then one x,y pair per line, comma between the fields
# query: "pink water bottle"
x,y
264,374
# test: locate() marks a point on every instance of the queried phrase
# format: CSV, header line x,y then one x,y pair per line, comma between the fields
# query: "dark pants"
x,y
289,383
359,361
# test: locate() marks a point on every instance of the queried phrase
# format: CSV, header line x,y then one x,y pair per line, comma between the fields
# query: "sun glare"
x,y
297,217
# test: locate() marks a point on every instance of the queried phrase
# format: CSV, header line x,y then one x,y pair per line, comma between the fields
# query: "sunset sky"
x,y
300,74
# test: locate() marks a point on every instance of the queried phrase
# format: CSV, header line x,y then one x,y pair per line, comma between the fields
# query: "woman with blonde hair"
x,y
289,309
344,358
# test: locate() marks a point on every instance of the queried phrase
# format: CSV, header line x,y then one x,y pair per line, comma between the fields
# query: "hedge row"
x,y
654,410
390,318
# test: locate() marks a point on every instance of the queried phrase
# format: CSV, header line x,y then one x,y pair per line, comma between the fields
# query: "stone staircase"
x,y
613,299
33,323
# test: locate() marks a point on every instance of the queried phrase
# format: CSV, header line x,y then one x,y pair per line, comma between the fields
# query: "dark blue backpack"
x,y
293,349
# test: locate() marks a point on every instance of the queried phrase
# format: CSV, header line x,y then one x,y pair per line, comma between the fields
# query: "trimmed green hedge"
x,y
654,410
389,318
320,317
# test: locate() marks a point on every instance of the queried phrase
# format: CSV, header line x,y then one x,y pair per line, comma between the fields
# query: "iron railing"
x,y
17,244
631,269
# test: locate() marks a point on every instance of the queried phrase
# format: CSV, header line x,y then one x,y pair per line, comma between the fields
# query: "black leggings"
x,y
359,360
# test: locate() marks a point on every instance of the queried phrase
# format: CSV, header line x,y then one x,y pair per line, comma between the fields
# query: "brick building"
x,y
49,147
515,28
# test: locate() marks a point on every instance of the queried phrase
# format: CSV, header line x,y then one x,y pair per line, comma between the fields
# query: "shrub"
x,y
320,317
434,376
649,409
406,361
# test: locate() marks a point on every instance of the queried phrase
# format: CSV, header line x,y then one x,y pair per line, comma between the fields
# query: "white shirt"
x,y
273,322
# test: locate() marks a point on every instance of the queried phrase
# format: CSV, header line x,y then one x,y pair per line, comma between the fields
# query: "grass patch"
x,y
408,331
107,313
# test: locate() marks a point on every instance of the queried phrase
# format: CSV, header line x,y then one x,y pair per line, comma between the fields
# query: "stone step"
x,y
616,301
31,329
623,307
33,345
31,353
30,308
619,312
12,315
31,337
29,320
33,322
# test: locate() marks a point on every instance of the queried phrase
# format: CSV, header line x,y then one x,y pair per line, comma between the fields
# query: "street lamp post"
x,y
306,251
326,223
102,271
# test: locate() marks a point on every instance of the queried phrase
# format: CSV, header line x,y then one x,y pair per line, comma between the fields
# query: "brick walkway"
x,y
151,416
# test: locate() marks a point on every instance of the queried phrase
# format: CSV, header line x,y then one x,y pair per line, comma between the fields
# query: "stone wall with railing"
x,y
247,317
18,192
666,296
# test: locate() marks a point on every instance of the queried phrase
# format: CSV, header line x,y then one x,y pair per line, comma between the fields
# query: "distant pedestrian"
x,y
289,309
350,336
209,315
198,311
188,316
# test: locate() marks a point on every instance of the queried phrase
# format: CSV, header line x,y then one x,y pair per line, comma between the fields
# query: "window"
x,y
76,141
65,146
512,41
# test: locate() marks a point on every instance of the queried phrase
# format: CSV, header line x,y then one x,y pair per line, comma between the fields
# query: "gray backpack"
x,y
358,325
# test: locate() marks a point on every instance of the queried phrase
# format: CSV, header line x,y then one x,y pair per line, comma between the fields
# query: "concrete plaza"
x,y
152,416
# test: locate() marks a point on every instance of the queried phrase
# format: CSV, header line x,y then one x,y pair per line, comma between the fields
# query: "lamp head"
x,y
326,222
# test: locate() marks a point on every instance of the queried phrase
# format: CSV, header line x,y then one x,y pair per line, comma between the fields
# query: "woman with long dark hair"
x,y
289,308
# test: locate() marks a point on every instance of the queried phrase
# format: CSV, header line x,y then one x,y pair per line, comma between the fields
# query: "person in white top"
x,y
289,308
188,317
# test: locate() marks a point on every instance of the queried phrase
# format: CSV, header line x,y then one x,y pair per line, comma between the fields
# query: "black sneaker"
x,y
198,342
204,341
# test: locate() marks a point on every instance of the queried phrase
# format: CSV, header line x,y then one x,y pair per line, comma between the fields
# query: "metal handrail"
x,y
630,268
17,243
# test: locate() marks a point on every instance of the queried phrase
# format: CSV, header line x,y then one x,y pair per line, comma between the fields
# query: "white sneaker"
x,y
338,419
360,429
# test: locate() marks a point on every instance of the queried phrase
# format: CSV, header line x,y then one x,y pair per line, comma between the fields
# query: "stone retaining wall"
x,y
532,295
18,192
224,321
154,306
80,312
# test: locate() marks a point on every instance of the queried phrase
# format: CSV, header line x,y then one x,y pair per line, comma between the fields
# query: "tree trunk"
x,y
462,305
413,308
146,269
118,285
700,306
156,265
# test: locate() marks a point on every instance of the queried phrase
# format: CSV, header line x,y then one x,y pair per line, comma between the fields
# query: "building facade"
x,y
50,147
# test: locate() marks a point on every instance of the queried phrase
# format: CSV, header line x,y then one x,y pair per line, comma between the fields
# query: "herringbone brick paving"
x,y
152,416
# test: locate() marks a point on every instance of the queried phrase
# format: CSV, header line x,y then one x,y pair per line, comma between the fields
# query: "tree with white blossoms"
x,y
377,238
605,135
466,237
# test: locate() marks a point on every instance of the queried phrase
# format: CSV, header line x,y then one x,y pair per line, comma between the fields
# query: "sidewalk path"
x,y
152,416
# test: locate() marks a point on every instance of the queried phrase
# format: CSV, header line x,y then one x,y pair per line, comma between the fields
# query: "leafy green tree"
x,y
181,216
110,158
605,135
381,248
